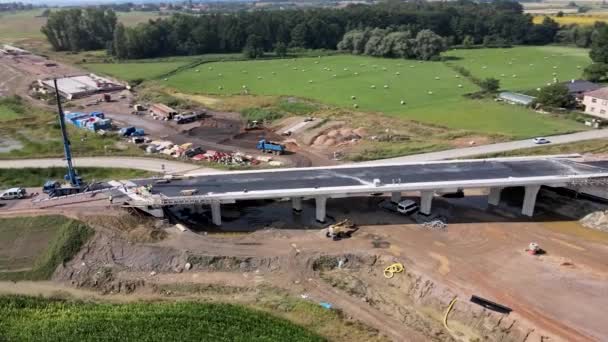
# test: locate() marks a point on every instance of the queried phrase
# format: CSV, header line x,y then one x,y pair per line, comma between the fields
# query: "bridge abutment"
x,y
216,213
321,203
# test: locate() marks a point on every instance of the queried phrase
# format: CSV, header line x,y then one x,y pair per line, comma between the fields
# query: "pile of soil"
x,y
335,137
597,220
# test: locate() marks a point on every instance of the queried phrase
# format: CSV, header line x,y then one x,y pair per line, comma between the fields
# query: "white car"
x,y
406,207
540,141
14,193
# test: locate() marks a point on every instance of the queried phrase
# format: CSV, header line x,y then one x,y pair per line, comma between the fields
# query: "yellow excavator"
x,y
341,230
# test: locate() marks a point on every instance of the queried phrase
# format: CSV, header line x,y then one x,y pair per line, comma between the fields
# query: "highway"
x,y
364,175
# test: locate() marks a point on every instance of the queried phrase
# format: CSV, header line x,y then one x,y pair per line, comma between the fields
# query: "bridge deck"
x,y
332,177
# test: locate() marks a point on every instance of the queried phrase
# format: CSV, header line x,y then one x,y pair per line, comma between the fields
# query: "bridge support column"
x,y
494,196
530,200
395,197
296,204
321,202
216,213
426,199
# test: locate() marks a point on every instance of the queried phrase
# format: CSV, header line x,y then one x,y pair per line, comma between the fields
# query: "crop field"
x,y
429,92
20,25
25,317
524,68
32,247
580,19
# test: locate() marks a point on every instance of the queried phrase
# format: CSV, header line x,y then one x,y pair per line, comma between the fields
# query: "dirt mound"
x,y
337,136
597,220
416,300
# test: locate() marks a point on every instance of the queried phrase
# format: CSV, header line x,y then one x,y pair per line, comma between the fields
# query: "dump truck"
x,y
270,147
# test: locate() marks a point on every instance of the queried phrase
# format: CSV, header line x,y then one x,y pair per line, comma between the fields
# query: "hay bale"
x,y
220,88
460,86
259,77
397,73
309,81
356,105
220,75
402,102
386,86
437,77
373,86
196,70
356,74
353,97
430,92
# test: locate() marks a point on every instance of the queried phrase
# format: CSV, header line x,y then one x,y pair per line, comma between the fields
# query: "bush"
x,y
261,114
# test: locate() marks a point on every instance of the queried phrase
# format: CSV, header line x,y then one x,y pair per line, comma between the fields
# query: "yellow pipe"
x,y
447,312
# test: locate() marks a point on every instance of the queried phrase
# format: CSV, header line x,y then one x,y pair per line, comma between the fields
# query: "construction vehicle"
x,y
270,147
131,131
341,230
53,187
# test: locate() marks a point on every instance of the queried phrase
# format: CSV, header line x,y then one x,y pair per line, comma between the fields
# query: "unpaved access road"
x,y
148,164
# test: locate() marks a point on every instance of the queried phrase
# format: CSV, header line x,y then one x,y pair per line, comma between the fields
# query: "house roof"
x,y
516,97
581,86
601,93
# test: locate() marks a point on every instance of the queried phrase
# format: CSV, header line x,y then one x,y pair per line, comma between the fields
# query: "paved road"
x,y
148,164
358,175
494,148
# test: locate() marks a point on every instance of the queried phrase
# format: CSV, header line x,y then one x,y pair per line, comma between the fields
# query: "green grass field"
x,y
24,318
133,71
431,91
34,177
533,66
31,248
587,146
19,25
39,135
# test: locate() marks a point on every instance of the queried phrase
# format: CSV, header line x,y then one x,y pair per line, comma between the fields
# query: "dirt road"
x,y
148,164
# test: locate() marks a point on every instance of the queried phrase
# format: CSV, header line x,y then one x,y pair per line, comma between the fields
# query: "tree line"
x,y
378,42
80,29
321,28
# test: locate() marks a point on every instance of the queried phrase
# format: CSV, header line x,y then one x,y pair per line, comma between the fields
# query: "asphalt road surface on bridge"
x,y
365,175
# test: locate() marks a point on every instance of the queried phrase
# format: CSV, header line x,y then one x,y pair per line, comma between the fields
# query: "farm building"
x,y
74,87
578,88
596,103
163,111
516,98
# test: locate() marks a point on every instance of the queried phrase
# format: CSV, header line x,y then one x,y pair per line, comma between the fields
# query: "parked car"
x,y
540,141
13,193
406,207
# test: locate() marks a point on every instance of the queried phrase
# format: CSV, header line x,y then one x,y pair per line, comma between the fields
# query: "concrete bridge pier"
x,y
216,213
494,196
296,204
530,200
426,200
321,202
395,197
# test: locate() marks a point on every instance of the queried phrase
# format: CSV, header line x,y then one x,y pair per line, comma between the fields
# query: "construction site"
x,y
494,249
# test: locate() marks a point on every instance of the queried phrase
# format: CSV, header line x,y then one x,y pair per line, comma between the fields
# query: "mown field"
x,y
15,26
431,91
24,318
31,248
35,177
152,68
524,68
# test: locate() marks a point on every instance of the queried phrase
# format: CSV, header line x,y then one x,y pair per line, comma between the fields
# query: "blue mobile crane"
x,y
55,188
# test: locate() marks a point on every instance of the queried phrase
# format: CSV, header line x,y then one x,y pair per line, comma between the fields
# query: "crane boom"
x,y
71,176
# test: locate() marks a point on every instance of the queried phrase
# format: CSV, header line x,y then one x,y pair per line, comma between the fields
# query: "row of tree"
x,y
80,29
378,42
320,28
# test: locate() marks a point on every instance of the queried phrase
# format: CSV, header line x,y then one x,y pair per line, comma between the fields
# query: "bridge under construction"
x,y
324,183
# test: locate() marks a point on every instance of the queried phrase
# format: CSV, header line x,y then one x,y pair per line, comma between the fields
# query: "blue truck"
x,y
270,147
131,131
